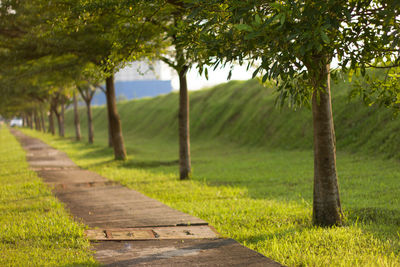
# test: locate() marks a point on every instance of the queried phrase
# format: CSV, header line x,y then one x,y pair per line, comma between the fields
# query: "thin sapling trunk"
x,y
114,120
326,203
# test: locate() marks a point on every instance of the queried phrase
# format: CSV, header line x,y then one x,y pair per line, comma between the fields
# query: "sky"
x,y
140,71
196,82
161,71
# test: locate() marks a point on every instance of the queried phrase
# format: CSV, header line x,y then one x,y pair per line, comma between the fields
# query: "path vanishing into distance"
x,y
127,228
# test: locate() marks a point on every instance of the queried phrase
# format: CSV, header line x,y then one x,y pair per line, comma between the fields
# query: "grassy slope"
x,y
244,113
253,171
35,230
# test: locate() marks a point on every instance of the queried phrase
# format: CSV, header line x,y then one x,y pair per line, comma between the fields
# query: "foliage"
x,y
107,33
42,54
382,88
293,40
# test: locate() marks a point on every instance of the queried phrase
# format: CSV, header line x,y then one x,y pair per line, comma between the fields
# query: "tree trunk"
x,y
34,120
90,122
42,121
37,120
114,120
30,120
326,205
51,123
184,134
110,144
62,129
108,125
76,119
24,123
60,120
60,125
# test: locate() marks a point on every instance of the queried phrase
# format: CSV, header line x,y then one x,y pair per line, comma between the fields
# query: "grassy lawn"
x,y
35,230
262,197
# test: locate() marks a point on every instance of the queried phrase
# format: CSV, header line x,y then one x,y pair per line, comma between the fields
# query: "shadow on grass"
x,y
94,152
42,198
374,215
132,164
4,171
83,264
382,223
149,164
278,235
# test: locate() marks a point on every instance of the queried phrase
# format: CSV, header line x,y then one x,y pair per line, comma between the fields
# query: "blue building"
x,y
127,90
139,80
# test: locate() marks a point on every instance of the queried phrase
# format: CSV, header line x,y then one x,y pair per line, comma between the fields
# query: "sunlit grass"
x,y
263,198
253,170
35,230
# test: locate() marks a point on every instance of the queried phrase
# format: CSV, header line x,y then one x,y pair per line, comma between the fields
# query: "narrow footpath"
x,y
127,228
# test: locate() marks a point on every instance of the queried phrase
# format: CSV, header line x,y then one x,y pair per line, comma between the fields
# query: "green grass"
x,y
253,169
35,230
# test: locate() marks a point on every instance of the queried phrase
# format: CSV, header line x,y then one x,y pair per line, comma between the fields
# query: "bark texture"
x,y
90,122
184,131
60,119
37,120
51,123
30,120
87,94
60,122
110,144
326,203
77,123
114,120
42,121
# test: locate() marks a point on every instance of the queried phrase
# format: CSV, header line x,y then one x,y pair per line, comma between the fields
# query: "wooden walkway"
x,y
128,228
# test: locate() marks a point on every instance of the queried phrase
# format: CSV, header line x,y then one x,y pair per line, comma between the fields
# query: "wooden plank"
x,y
119,234
185,232
80,185
95,234
151,233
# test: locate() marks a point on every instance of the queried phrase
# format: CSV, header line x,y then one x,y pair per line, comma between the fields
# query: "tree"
x,y
181,63
57,105
295,42
76,118
28,90
87,92
36,63
51,128
105,33
87,85
110,34
108,120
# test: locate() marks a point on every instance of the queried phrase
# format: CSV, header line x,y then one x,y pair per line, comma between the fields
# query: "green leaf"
x,y
257,19
302,50
282,18
229,75
325,37
350,75
243,27
347,14
256,72
264,78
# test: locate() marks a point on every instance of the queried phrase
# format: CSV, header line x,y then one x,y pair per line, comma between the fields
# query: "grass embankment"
x,y
35,230
253,171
